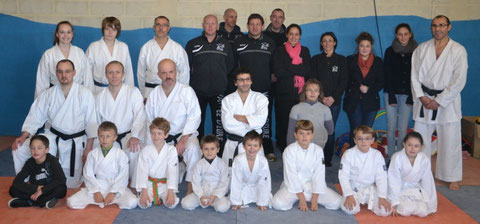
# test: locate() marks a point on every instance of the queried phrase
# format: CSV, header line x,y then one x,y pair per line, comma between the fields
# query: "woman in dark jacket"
x,y
365,80
330,69
291,66
397,92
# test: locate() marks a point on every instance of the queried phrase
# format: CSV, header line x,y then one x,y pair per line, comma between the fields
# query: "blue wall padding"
x,y
23,43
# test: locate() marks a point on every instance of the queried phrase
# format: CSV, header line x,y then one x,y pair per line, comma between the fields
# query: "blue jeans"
x,y
330,145
359,117
397,117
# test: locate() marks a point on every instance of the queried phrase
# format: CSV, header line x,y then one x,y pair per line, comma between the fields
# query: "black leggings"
x,y
57,193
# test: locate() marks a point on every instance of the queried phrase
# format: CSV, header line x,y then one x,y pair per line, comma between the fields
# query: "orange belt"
x,y
155,181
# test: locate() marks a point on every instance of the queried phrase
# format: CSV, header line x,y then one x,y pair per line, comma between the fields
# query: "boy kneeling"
x,y
47,182
363,176
304,174
157,169
210,179
105,174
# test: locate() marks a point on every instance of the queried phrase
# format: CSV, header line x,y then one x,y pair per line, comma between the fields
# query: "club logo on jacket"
x,y
264,46
334,68
220,47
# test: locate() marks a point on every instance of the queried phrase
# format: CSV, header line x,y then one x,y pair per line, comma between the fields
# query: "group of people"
x,y
239,76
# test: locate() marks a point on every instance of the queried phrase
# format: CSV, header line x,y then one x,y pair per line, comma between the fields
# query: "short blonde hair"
x,y
364,129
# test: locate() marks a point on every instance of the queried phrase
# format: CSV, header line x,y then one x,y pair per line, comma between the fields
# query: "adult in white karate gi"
x,y
70,109
439,73
411,187
210,179
108,49
122,104
105,174
242,111
177,103
62,49
304,174
157,169
154,51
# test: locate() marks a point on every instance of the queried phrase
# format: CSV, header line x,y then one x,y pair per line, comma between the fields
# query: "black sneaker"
x,y
18,203
50,204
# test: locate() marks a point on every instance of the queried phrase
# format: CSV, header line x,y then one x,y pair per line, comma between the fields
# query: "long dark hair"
x,y
55,38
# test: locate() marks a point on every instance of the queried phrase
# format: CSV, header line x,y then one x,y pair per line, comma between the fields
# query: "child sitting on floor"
x,y
46,180
363,175
304,174
410,180
105,174
157,169
210,179
251,181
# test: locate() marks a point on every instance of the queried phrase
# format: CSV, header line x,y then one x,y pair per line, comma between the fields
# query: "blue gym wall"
x,y
22,43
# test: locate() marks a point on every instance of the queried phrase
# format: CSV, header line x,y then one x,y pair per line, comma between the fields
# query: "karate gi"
x,y
181,109
363,175
47,68
152,164
151,54
447,73
105,174
255,109
128,114
99,56
304,172
251,186
209,179
412,188
69,116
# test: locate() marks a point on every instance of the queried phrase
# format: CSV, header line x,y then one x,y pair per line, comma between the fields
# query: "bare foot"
x,y
454,186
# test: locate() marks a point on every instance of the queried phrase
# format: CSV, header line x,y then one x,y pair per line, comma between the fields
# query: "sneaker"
x,y
51,204
271,157
18,203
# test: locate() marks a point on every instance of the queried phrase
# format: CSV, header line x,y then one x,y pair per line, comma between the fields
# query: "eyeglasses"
x,y
244,80
441,25
161,25
364,139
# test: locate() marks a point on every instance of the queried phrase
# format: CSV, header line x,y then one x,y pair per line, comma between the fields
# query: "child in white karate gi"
x,y
411,188
363,176
210,179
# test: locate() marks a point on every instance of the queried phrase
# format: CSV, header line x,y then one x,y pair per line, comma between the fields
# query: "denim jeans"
x,y
330,145
397,118
359,117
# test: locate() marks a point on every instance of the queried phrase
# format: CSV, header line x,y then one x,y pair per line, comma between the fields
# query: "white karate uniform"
x,y
255,109
99,56
105,174
251,186
128,114
47,68
447,73
182,110
69,116
151,54
363,175
412,188
157,165
209,179
304,172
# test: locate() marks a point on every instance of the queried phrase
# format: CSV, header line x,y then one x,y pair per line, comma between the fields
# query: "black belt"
x,y
99,84
431,92
121,136
173,138
235,138
151,85
72,153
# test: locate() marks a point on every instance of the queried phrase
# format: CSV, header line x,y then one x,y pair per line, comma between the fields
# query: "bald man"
x,y
177,103
229,29
211,60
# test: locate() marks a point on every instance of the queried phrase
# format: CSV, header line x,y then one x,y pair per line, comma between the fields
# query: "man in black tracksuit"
x,y
229,29
211,60
255,51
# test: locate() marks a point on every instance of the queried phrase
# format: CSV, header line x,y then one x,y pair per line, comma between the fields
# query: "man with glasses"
x,y
154,51
242,111
439,73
